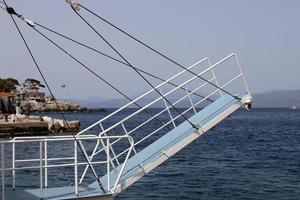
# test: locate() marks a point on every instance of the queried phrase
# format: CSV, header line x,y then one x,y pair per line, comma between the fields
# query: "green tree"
x,y
8,85
32,85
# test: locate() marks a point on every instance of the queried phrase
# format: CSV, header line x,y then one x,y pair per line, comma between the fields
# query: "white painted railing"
x,y
167,108
43,162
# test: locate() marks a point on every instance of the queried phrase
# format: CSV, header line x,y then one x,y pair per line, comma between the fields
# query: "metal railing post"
x,y
108,165
190,98
112,150
215,77
41,170
75,168
126,133
168,109
46,163
240,69
14,165
133,148
123,166
2,172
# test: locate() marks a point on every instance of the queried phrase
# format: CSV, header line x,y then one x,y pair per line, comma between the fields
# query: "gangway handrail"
x,y
164,125
138,98
156,115
155,101
176,117
121,122
147,106
140,110
157,87
43,166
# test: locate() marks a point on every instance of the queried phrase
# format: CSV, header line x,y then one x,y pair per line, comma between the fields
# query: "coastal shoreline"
x,y
58,106
23,125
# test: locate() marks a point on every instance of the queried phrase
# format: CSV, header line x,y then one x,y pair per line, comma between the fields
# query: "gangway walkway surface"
x,y
173,141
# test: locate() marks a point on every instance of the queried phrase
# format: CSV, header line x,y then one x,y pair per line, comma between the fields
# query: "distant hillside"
x,y
277,98
117,103
98,103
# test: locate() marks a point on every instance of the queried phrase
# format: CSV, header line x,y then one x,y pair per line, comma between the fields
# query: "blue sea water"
x,y
250,155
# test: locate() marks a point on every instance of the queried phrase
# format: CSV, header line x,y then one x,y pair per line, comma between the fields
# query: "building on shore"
x,y
34,96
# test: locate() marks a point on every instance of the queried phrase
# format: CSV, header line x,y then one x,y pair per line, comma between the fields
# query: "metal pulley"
x,y
74,5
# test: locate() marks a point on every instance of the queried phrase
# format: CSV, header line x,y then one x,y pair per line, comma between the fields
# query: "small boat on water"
x,y
294,107
113,153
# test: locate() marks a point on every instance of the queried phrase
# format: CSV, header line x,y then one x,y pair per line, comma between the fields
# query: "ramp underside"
x,y
172,142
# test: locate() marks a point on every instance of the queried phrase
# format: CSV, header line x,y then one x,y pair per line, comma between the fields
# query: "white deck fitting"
x,y
130,165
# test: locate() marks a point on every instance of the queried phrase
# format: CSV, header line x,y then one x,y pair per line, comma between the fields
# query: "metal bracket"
x,y
29,22
165,154
199,131
74,5
247,101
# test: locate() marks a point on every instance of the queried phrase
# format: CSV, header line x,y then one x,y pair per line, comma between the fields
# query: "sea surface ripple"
x,y
250,155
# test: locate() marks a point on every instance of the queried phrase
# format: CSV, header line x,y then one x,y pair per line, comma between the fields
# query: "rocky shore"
x,y
26,124
51,106
21,125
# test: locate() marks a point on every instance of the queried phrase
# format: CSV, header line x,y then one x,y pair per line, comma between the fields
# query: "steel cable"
x,y
154,50
86,67
123,58
119,61
48,87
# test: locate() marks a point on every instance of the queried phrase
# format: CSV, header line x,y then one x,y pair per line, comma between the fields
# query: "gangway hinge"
x,y
199,129
247,101
165,154
142,167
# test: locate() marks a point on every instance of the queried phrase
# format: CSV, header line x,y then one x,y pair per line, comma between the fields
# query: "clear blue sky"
x,y
265,34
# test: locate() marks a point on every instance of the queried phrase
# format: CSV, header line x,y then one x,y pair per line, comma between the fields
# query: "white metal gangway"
x,y
132,141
